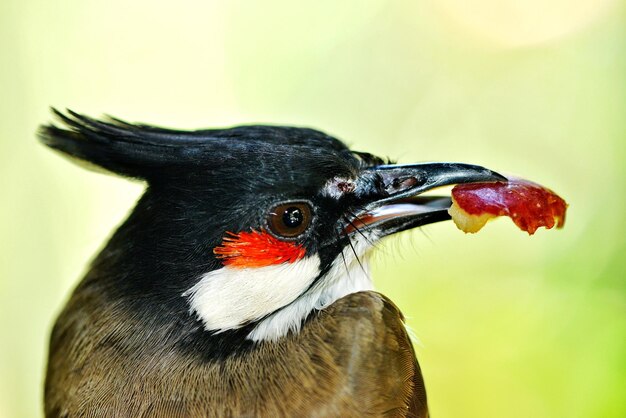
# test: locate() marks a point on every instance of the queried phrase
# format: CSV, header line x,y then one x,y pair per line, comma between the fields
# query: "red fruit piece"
x,y
528,204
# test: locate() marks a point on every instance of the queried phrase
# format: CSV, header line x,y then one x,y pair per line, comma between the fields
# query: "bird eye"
x,y
289,220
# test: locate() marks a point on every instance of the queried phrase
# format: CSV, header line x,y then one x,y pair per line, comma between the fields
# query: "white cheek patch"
x,y
229,297
349,273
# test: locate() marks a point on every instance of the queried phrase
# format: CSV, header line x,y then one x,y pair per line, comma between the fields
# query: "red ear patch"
x,y
256,249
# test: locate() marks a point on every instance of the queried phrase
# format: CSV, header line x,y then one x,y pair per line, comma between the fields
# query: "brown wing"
x,y
388,374
354,359
414,385
394,320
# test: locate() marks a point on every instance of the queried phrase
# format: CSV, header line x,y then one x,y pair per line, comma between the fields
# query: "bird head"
x,y
249,230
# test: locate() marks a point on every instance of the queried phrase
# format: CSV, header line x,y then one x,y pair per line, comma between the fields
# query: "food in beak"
x,y
528,204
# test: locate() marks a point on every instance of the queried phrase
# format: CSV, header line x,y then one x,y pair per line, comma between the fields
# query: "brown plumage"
x,y
353,359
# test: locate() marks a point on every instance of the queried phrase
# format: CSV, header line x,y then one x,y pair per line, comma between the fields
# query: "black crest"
x,y
144,151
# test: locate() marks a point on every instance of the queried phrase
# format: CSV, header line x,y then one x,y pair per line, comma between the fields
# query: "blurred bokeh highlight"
x,y
509,326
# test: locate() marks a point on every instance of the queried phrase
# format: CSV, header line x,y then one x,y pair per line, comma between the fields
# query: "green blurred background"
x,y
510,326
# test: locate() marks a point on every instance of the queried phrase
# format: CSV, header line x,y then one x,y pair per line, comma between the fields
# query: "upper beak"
x,y
397,205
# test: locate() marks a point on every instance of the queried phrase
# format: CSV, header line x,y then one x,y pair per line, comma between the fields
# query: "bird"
x,y
240,285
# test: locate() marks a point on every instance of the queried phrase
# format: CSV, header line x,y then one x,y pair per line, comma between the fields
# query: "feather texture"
x,y
144,151
354,359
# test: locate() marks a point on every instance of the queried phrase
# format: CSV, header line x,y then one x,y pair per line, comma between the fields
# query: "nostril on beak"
x,y
399,184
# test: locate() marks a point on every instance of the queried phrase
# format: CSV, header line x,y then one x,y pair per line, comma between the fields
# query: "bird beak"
x,y
398,204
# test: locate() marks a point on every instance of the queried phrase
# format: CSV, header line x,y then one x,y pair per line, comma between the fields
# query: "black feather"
x,y
144,151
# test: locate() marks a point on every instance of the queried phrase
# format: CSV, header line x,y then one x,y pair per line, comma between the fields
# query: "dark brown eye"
x,y
290,220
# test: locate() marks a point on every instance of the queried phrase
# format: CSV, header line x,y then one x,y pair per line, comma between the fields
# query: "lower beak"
x,y
398,206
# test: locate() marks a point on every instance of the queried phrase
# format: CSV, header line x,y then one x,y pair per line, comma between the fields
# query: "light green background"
x,y
510,326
